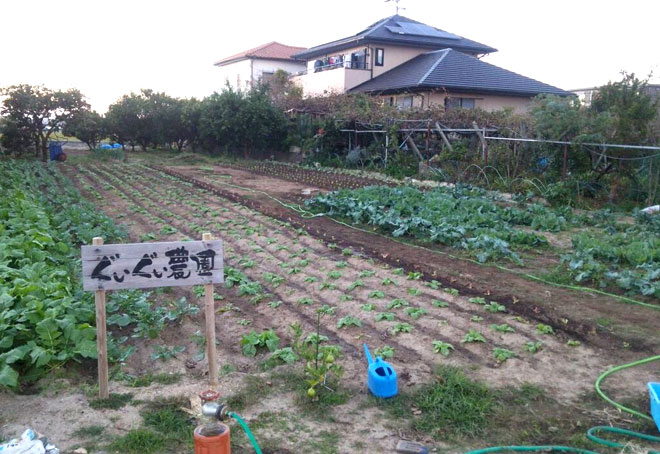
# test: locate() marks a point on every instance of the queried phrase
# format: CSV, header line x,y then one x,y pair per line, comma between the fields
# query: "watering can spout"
x,y
370,358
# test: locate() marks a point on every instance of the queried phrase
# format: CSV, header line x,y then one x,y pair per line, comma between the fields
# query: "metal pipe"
x,y
592,144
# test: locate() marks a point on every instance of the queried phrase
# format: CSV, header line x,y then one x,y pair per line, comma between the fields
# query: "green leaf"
x,y
8,376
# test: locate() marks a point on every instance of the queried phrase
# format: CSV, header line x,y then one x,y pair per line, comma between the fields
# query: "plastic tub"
x,y
654,395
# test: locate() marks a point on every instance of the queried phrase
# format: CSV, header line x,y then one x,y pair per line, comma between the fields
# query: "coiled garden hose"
x,y
591,433
247,431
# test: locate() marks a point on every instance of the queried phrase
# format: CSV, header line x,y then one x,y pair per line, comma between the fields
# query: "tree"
x,y
39,111
631,110
87,126
235,120
13,137
283,91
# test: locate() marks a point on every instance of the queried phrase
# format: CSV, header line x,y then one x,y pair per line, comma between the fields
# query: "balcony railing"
x,y
355,64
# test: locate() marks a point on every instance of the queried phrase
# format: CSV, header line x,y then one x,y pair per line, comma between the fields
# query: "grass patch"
x,y
89,431
148,379
114,402
166,417
138,441
325,442
254,390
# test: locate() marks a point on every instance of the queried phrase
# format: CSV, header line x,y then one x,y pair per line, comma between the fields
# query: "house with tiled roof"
x,y
409,63
246,68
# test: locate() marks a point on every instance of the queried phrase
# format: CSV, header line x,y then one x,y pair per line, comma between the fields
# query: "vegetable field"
x,y
304,292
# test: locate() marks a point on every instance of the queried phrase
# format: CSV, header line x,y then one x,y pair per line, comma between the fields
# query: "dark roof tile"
x,y
452,70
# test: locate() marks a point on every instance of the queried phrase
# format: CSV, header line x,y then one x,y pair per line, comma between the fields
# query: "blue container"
x,y
55,150
381,376
654,395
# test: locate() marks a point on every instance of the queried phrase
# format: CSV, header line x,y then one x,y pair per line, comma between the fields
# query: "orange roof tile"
x,y
272,50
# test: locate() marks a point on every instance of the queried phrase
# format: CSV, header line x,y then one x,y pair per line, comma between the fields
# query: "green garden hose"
x,y
616,369
245,427
591,433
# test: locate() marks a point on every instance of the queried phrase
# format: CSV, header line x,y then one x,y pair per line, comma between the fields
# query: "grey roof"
x,y
390,31
452,70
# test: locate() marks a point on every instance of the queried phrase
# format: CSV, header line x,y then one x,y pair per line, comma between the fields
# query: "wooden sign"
x,y
147,265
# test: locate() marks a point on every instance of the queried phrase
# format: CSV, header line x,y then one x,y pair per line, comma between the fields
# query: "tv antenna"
x,y
398,8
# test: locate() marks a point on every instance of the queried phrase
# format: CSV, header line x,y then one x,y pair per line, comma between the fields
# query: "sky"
x,y
107,48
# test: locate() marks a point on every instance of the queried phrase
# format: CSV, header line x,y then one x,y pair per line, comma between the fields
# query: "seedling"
x,y
544,329
476,318
385,352
478,300
311,279
252,341
573,343
376,294
348,321
327,286
367,273
415,275
435,285
397,303
341,264
416,312
495,307
275,304
355,285
502,354
388,281
389,316
368,307
504,328
327,310
443,348
398,271
334,274
401,328
439,303
451,291
414,291
244,322
164,353
305,301
533,347
473,336
347,252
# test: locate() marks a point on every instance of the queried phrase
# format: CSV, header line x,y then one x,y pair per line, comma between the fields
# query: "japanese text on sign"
x,y
144,265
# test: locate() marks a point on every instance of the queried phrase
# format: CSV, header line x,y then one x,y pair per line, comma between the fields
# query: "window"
x,y
459,103
380,56
404,102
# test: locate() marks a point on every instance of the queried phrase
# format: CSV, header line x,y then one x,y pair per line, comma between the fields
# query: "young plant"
x,y
349,321
476,318
367,273
416,312
368,307
388,281
544,329
321,360
502,354
355,285
503,328
439,303
164,353
385,352
397,303
252,342
388,316
376,294
305,301
327,286
478,300
334,274
443,348
415,275
495,307
533,347
401,328
473,336
414,291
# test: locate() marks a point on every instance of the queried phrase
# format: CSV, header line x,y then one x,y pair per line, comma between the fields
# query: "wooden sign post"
x,y
101,335
149,265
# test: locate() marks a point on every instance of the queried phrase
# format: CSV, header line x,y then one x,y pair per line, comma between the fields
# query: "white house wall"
x,y
261,66
238,74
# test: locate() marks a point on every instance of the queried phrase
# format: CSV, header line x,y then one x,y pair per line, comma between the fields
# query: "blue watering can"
x,y
381,376
654,394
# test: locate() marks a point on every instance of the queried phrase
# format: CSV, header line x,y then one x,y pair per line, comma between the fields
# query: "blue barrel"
x,y
55,149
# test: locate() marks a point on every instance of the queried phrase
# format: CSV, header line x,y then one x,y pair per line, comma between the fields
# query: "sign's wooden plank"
x,y
148,265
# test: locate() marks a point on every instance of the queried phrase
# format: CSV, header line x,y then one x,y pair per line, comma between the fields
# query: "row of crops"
x,y
606,250
45,317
